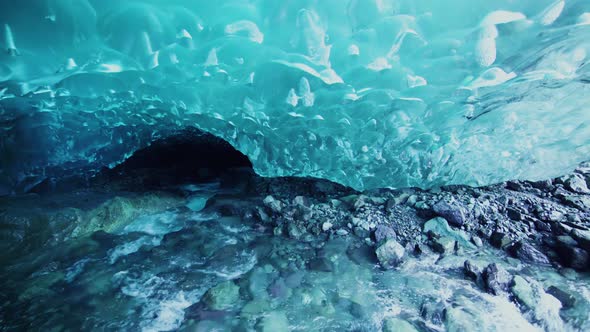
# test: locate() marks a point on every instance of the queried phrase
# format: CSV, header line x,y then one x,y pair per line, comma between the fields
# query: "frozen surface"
x,y
368,93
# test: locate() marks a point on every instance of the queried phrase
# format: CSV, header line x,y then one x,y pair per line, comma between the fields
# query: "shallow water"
x,y
153,273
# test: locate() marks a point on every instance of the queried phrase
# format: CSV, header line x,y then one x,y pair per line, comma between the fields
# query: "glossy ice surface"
x,y
367,93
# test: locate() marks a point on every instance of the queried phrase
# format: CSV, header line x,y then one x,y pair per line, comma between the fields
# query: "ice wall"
x,y
368,93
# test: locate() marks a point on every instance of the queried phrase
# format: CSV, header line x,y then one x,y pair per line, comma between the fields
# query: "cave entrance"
x,y
189,155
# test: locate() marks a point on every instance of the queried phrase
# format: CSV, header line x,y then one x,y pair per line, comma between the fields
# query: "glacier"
x,y
366,93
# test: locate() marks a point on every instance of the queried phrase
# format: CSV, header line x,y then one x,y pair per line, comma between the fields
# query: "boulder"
x,y
223,296
438,228
383,233
567,300
529,254
390,254
499,240
471,271
496,279
451,211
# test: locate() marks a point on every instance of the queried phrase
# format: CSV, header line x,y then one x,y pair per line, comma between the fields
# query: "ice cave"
x,y
295,165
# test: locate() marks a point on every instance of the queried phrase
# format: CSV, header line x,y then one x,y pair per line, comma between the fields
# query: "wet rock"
x,y
443,245
361,255
223,296
390,254
439,228
208,325
260,279
433,311
582,237
528,254
496,279
397,325
567,300
321,264
513,214
273,204
274,321
458,320
577,184
545,185
279,290
255,307
514,185
531,296
326,226
499,240
570,255
295,230
383,233
358,311
451,211
477,241
523,292
342,232
471,271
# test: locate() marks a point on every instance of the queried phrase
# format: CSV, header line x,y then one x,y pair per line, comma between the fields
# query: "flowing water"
x,y
183,265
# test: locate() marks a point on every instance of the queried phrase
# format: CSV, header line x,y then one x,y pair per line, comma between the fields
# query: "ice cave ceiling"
x,y
367,93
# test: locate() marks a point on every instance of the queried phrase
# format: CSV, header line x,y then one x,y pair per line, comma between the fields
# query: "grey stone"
x,y
390,254
523,292
496,279
577,184
223,296
438,227
384,233
529,254
443,245
471,271
451,211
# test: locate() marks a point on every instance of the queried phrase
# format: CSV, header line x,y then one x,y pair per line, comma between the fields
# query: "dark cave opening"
x,y
187,155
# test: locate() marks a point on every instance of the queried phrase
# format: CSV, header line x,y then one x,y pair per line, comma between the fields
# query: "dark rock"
x,y
513,214
582,237
361,255
361,232
545,185
528,254
321,264
496,279
541,226
383,233
358,310
567,300
499,240
514,185
471,271
570,255
451,211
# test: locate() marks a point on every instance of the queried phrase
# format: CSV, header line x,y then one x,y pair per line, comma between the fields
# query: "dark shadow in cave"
x,y
189,155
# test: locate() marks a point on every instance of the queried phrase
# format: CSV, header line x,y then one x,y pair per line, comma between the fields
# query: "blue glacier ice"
x,y
367,93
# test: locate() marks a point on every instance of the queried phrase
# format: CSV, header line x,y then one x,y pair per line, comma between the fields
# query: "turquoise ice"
x,y
367,93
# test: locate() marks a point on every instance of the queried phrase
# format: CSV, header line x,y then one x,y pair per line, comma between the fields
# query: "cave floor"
x,y
288,254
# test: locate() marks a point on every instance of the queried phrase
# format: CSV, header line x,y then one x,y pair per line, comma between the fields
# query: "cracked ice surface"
x,y
368,93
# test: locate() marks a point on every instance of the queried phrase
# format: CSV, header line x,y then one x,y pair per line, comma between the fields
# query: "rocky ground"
x,y
543,223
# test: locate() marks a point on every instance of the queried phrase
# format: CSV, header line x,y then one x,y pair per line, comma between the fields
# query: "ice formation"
x,y
367,93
